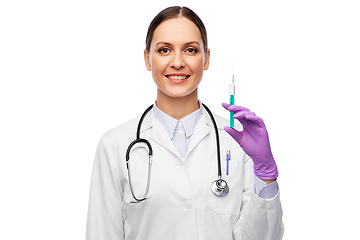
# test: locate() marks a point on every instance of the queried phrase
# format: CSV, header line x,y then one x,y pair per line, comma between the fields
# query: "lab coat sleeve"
x,y
104,214
260,219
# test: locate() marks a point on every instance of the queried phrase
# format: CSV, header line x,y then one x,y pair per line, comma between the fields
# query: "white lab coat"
x,y
180,203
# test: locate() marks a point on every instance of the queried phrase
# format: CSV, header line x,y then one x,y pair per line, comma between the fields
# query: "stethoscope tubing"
x,y
217,140
140,140
219,186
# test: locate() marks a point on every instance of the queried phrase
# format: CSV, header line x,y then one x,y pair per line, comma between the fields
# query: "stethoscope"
x,y
219,186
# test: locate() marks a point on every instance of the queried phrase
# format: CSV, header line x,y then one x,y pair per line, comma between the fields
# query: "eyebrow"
x,y
169,44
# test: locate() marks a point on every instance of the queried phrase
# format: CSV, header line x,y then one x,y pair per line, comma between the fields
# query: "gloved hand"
x,y
254,140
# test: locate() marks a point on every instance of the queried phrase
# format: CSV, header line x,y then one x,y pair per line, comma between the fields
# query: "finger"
x,y
234,108
250,116
255,119
260,122
236,135
226,105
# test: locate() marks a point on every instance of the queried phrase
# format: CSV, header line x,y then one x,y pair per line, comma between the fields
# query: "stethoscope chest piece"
x,y
220,187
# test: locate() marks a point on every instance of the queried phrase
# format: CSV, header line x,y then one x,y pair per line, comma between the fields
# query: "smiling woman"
x,y
181,199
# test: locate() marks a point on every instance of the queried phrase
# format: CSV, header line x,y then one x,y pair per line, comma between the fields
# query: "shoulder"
x,y
127,131
121,132
221,122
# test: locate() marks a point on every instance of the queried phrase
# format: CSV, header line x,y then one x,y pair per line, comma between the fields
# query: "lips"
x,y
177,77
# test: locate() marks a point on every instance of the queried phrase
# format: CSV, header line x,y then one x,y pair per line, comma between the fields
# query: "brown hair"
x,y
174,12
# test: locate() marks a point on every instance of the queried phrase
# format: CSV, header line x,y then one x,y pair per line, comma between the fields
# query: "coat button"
x,y
187,205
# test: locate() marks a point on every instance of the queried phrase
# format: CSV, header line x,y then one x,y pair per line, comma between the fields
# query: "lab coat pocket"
x,y
135,214
231,203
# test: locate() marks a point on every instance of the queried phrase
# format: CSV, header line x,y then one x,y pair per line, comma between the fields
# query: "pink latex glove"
x,y
254,140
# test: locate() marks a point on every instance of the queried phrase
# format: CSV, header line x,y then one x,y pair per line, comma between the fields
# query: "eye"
x,y
164,50
191,50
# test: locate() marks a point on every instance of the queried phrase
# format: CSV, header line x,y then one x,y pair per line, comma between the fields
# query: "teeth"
x,y
177,77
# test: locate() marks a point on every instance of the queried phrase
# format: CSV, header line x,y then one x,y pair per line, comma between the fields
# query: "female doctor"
x,y
184,193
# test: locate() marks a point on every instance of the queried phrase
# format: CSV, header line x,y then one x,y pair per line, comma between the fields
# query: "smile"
x,y
177,78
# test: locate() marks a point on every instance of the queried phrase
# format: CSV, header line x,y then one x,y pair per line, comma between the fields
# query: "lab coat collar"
x,y
220,122
160,136
203,128
201,131
157,132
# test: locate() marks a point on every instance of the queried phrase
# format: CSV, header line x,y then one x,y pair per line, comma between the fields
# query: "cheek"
x,y
158,65
196,65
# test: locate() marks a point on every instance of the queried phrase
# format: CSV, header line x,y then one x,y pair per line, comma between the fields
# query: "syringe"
x,y
232,98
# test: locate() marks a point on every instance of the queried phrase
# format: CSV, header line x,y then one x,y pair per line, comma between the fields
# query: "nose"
x,y
178,61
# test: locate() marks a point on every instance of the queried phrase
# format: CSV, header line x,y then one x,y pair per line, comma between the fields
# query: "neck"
x,y
177,107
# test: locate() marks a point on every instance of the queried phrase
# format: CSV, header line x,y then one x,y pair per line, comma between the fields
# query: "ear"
x,y
207,59
147,60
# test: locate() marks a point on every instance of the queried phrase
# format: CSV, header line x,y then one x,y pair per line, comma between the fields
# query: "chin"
x,y
178,93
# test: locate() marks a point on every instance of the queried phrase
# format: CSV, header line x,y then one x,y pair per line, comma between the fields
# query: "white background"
x,y
70,70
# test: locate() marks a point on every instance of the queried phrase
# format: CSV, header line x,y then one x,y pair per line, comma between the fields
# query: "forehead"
x,y
176,31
